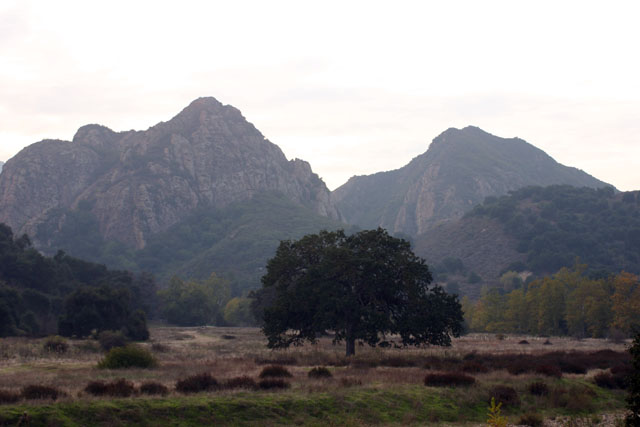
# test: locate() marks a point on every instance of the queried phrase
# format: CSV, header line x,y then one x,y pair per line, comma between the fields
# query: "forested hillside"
x,y
38,293
234,242
537,230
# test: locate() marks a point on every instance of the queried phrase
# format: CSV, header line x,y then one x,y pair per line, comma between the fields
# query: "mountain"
x,y
141,183
1,164
112,196
538,230
459,170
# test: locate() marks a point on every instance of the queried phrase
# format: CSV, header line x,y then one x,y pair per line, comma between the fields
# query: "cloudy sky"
x,y
352,87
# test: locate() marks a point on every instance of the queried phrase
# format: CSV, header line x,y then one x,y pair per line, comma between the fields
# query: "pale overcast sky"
x,y
353,87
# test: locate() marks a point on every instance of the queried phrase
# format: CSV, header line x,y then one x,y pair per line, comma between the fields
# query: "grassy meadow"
x,y
550,379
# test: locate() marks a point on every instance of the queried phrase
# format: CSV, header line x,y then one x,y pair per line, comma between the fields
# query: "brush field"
x,y
228,376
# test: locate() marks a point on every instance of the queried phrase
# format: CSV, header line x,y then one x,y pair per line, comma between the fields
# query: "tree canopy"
x,y
364,287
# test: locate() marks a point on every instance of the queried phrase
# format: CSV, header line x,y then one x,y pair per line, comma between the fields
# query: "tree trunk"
x,y
351,346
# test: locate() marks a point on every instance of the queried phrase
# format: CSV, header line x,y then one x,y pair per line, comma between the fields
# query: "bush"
x,y
33,392
241,382
111,339
275,371
116,388
448,379
319,372
549,371
8,397
56,344
523,342
130,356
197,383
533,420
154,388
606,380
350,382
273,383
508,396
572,366
538,388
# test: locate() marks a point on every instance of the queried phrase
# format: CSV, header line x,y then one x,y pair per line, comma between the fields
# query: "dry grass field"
x,y
378,386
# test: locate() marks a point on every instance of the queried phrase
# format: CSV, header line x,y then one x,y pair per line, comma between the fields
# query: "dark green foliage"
x,y
197,383
538,388
607,380
101,309
319,372
36,392
153,388
195,302
56,344
506,395
273,383
633,385
240,382
274,371
557,224
111,339
32,287
449,379
130,356
362,286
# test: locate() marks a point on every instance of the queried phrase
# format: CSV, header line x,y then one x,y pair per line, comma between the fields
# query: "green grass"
x,y
400,405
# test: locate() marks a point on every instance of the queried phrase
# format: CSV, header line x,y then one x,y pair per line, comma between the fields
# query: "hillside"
x,y
459,170
1,164
541,230
138,184
202,192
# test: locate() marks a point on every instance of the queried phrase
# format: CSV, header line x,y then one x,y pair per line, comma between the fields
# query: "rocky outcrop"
x,y
141,182
460,168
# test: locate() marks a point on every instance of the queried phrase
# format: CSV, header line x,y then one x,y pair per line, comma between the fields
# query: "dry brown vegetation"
x,y
234,366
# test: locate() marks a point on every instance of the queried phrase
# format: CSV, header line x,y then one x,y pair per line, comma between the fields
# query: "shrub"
x,y
273,383
8,397
275,371
241,382
32,392
116,388
533,420
538,388
111,339
572,366
549,371
518,367
523,342
130,356
448,379
397,362
547,342
606,380
96,388
320,372
154,388
56,344
197,383
508,396
228,337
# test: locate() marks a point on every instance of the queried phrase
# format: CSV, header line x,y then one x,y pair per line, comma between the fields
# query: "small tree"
x,y
362,287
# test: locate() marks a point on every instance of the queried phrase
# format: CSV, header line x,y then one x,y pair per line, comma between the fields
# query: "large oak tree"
x,y
367,287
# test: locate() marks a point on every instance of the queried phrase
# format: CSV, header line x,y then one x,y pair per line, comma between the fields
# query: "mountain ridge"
x,y
141,182
459,169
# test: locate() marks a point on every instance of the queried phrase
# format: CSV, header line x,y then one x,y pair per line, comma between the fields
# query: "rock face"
x,y
141,183
1,164
460,168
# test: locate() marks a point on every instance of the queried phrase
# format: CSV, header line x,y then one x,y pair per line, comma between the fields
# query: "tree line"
x,y
570,302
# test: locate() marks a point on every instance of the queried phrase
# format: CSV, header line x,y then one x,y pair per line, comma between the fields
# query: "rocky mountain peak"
x,y
141,183
460,168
